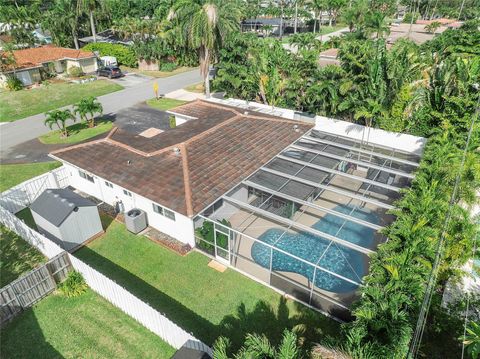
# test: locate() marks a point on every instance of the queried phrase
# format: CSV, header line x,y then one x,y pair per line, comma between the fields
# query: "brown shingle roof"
x,y
36,56
214,159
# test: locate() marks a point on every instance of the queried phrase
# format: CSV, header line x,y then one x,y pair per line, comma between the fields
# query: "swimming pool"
x,y
338,259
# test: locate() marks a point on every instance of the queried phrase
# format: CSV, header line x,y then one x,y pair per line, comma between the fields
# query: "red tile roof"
x,y
36,56
214,156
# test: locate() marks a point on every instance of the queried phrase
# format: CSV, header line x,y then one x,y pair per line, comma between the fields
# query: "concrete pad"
x,y
217,266
184,95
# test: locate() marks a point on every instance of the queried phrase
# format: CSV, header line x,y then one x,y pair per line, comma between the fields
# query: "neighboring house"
x,y
106,36
42,37
66,217
33,64
296,203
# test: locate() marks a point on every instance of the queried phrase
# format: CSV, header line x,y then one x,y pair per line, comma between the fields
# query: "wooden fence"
x,y
21,196
27,290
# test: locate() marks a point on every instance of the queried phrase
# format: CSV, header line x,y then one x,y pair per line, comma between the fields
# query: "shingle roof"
x,y
55,205
36,56
217,151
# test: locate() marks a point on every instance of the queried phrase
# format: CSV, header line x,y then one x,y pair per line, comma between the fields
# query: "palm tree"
x,y
88,106
376,23
472,340
59,118
259,347
433,27
64,14
204,25
89,7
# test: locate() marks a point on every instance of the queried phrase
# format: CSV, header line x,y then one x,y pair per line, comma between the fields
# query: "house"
x,y
32,65
108,36
66,217
296,204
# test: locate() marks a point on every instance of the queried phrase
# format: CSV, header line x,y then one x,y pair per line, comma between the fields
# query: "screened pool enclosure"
x,y
306,221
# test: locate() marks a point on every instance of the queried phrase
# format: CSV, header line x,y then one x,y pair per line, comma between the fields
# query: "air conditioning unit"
x,y
136,220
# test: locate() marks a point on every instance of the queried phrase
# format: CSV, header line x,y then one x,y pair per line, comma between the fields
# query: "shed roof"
x,y
55,205
217,149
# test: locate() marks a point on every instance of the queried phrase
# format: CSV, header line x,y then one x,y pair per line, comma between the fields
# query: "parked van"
x,y
109,61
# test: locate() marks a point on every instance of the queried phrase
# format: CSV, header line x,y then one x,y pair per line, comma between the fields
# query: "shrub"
x,y
74,285
124,54
168,66
408,17
14,84
75,71
173,122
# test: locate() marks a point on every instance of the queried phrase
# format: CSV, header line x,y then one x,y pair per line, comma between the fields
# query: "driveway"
x,y
132,80
15,133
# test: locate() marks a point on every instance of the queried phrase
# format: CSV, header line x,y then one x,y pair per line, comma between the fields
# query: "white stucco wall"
x,y
87,65
180,229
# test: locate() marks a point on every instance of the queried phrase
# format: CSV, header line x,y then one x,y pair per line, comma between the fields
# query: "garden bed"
x,y
78,132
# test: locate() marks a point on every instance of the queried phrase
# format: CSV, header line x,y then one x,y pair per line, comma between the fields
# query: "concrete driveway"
x,y
132,80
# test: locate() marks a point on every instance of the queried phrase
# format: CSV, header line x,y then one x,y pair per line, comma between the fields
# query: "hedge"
x,y
124,54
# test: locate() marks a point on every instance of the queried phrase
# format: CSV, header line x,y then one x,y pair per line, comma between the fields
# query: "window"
x,y
127,193
157,209
169,214
86,176
108,184
163,211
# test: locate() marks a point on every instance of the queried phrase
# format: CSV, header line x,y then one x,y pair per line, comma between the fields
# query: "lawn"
x,y
164,104
77,132
15,105
325,29
82,327
198,88
158,74
16,256
11,175
196,297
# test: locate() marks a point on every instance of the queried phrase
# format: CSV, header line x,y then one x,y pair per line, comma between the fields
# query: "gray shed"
x,y
66,217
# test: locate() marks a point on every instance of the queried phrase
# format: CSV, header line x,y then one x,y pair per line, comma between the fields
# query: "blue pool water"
x,y
341,260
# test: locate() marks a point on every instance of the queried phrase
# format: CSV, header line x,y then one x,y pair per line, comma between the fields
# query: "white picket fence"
x,y
19,197
111,291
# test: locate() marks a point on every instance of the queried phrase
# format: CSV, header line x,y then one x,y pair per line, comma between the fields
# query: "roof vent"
x,y
176,151
296,129
49,191
129,162
246,113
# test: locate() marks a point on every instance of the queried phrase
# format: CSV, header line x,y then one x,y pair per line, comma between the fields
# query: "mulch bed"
x,y
167,241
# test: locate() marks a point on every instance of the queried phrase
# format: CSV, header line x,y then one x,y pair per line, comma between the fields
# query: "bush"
x,y
74,285
124,54
75,71
408,17
14,84
168,66
173,121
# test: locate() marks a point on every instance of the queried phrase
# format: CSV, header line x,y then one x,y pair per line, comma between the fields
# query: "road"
x,y
20,131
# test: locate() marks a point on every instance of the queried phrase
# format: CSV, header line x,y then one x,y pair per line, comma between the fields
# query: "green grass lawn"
x,y
77,132
15,105
82,327
196,297
16,256
198,88
164,104
11,175
324,30
158,74
26,216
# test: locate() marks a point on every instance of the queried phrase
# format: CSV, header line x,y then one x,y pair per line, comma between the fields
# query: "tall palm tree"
x,y
89,7
204,25
376,23
88,106
59,118
63,15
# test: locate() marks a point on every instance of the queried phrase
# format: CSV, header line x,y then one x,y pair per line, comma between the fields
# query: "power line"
x,y
420,327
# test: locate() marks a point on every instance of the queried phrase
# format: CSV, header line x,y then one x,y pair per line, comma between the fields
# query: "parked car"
x,y
110,72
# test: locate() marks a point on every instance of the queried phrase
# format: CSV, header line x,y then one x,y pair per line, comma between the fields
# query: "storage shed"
x,y
66,217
